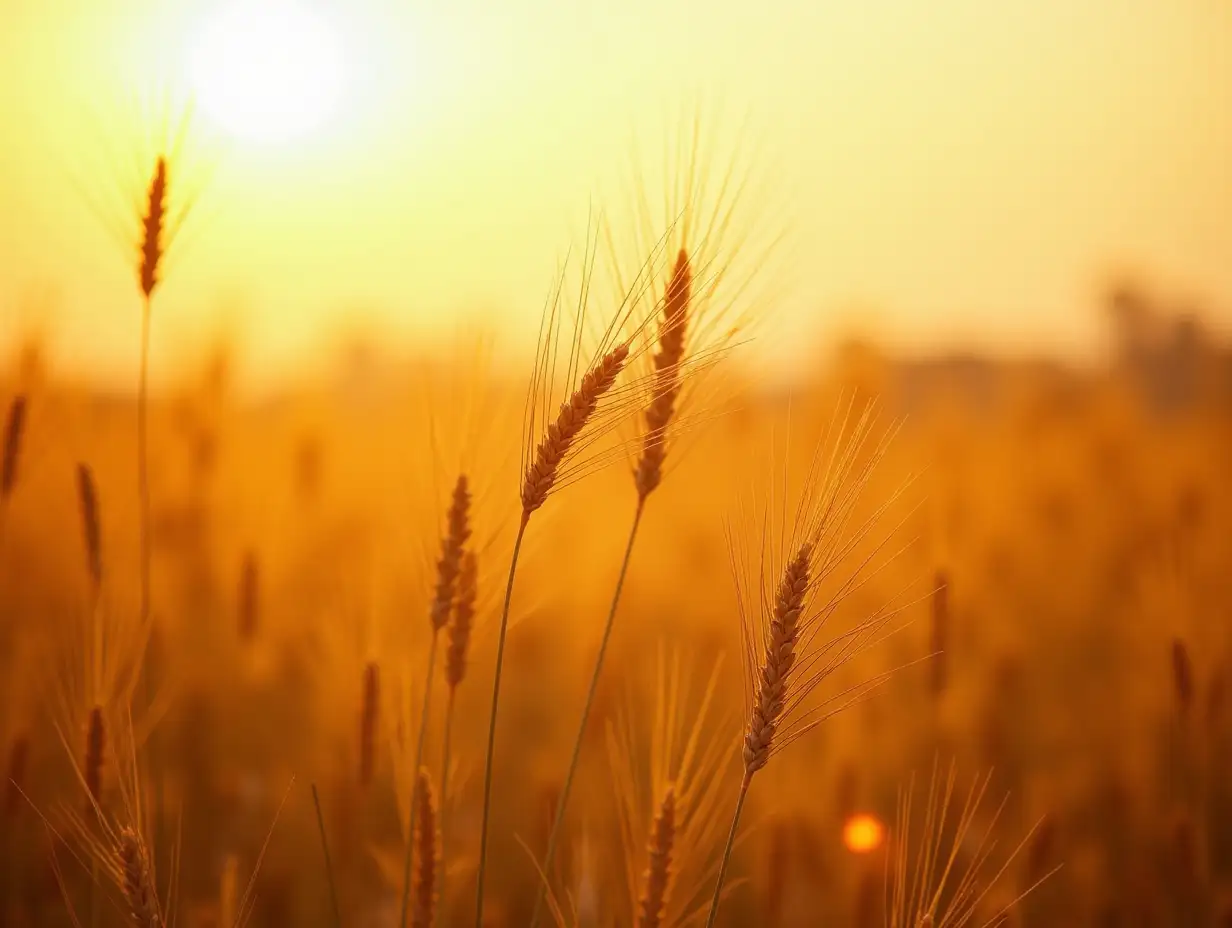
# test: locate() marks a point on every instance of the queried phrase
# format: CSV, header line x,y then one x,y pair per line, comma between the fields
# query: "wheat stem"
x,y
563,801
419,749
727,849
329,865
496,682
443,814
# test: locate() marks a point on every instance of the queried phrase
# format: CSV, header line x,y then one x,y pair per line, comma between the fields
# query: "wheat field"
x,y
617,616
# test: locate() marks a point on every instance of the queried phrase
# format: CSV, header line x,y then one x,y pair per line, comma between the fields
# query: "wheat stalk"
x,y
19,756
14,431
457,531
539,480
455,671
784,652
248,596
96,748
87,504
368,718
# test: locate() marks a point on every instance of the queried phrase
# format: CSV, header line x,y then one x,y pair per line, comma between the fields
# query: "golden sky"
x,y
955,172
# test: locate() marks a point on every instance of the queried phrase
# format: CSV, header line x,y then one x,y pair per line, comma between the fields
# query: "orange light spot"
x,y
863,833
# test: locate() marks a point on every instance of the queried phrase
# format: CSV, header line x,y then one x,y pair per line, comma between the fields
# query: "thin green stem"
x,y
563,802
496,682
329,865
419,750
731,840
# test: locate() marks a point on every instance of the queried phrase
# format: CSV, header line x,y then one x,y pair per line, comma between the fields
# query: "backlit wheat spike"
x,y
368,718
14,431
656,882
138,880
673,328
778,658
152,229
463,620
457,532
87,501
570,420
427,842
96,749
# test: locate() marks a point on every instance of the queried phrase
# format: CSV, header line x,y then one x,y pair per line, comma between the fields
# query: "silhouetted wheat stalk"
x,y
784,611
559,454
448,566
693,320
14,432
455,671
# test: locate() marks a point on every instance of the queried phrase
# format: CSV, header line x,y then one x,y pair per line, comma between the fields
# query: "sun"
x,y
268,70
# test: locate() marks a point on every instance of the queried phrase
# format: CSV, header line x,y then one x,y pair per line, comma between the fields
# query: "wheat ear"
x,y
673,327
665,386
138,880
457,531
564,431
426,851
538,482
656,882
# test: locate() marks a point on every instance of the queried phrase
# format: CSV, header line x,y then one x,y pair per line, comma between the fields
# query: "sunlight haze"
x,y
957,173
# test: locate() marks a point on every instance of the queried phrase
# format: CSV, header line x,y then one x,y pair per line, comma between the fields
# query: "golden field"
x,y
1053,543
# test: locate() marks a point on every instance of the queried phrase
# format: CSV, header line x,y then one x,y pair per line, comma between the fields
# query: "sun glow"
x,y
269,70
863,833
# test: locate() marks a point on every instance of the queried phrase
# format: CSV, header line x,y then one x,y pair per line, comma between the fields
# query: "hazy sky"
x,y
956,171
